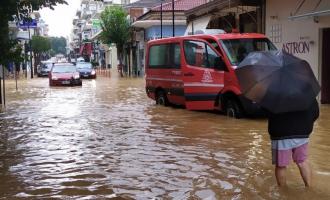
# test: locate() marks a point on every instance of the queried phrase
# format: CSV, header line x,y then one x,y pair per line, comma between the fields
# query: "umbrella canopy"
x,y
278,81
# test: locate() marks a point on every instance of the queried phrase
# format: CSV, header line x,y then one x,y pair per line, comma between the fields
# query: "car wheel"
x,y
161,98
233,109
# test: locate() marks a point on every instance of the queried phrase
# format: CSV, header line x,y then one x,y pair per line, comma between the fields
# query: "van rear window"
x,y
165,56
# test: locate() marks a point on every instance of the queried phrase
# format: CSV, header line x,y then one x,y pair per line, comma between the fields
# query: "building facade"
x,y
157,23
302,28
85,40
242,15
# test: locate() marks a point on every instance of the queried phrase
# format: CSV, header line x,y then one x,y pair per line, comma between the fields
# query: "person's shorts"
x,y
282,158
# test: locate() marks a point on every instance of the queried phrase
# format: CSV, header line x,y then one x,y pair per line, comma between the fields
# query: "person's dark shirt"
x,y
297,124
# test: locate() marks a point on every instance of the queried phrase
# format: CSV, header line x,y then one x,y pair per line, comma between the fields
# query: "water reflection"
x,y
106,139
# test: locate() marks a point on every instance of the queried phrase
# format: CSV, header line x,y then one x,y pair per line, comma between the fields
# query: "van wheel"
x,y
233,109
161,98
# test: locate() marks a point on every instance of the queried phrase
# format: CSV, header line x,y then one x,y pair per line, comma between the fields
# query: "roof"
x,y
144,4
63,64
149,23
180,5
223,36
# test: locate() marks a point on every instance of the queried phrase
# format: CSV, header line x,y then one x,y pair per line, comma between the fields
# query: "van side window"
x,y
177,55
199,54
165,56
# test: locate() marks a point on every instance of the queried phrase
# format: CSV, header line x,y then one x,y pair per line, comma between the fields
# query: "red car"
x,y
65,74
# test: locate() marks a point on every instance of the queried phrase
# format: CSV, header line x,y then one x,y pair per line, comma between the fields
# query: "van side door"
x,y
203,74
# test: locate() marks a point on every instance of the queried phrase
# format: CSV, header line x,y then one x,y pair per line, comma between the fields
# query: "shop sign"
x,y
28,24
96,23
301,47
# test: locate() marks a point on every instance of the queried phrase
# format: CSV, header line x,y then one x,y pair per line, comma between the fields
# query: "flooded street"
x,y
107,140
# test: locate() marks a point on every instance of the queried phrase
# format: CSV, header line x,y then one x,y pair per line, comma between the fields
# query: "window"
x,y
199,54
238,49
177,55
64,69
165,56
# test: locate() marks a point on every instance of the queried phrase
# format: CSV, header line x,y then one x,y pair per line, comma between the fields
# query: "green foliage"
x,y
115,26
20,9
58,45
40,44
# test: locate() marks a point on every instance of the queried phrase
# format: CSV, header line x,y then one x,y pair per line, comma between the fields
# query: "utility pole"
x,y
161,19
0,88
25,58
173,17
30,50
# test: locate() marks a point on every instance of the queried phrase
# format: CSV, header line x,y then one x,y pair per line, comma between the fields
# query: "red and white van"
x,y
197,71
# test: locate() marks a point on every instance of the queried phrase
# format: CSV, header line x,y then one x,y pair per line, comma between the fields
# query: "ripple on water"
x,y
108,140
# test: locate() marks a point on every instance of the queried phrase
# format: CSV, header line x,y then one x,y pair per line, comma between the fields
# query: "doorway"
x,y
325,75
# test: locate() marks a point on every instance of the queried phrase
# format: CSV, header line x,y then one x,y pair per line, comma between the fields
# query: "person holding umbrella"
x,y
286,88
289,133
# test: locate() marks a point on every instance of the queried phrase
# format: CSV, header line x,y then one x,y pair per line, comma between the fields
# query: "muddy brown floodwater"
x,y
107,140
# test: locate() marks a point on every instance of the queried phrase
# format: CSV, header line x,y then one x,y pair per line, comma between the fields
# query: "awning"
x,y
311,14
86,49
315,9
149,23
198,24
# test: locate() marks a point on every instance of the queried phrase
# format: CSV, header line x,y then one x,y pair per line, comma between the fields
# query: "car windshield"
x,y
238,49
64,69
47,66
84,65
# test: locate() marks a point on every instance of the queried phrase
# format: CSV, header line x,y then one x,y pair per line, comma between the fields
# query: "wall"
x,y
154,31
300,37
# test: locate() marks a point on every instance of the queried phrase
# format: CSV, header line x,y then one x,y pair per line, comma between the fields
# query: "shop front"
x,y
242,15
302,28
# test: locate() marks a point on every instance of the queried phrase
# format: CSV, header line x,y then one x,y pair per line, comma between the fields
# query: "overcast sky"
x,y
60,19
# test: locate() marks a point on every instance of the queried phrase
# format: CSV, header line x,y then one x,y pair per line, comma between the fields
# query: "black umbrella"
x,y
278,81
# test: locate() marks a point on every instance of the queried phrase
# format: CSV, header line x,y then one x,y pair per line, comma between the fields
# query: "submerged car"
x,y
44,69
86,70
65,74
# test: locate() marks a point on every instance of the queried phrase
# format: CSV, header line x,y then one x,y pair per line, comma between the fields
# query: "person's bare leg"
x,y
305,172
280,174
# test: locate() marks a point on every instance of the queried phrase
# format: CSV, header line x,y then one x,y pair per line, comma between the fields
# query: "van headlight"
x,y
93,72
54,78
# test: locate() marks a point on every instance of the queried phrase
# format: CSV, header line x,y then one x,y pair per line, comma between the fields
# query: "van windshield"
x,y
238,49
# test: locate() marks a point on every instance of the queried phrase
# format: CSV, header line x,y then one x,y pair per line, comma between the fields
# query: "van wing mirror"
x,y
219,64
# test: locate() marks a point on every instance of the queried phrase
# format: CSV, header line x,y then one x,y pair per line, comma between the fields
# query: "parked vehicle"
x,y
64,74
80,59
44,68
198,71
86,70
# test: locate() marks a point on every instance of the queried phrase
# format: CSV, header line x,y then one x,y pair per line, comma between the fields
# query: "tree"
x,y
115,29
19,9
39,45
58,45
